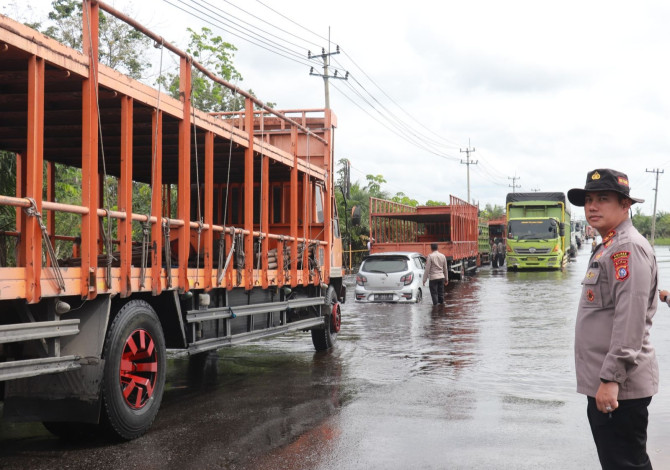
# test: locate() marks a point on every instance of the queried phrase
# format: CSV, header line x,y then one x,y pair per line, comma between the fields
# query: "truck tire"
x,y
324,337
134,372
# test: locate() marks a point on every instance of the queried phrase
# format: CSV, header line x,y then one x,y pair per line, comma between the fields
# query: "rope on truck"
x,y
168,254
33,212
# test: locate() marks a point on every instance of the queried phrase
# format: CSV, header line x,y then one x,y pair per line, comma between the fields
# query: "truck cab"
x,y
538,231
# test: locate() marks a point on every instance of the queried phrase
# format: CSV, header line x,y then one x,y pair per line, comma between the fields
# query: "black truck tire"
x,y
134,372
324,337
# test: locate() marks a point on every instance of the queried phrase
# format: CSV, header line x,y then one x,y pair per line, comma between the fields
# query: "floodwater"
x,y
485,382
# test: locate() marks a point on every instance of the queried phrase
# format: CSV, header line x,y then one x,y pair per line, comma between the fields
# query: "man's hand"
x,y
663,295
606,398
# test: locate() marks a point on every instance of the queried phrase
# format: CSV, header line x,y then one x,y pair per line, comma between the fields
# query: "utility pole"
x,y
653,219
468,163
326,56
514,185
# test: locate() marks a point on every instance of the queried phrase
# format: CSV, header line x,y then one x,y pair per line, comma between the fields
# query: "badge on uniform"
x,y
590,296
620,259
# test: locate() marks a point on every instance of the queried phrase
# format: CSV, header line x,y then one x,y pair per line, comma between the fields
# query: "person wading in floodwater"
x,y
437,272
614,360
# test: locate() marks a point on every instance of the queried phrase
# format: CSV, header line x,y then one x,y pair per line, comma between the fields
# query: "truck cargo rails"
x,y
454,227
184,231
538,231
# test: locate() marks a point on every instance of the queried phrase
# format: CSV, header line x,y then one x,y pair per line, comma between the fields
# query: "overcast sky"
x,y
544,91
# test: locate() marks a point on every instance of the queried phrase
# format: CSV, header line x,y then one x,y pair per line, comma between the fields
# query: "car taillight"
x,y
407,279
361,280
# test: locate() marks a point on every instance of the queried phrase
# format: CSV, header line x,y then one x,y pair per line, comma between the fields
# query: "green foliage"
x,y
374,186
492,212
430,202
643,224
214,54
7,213
120,47
401,198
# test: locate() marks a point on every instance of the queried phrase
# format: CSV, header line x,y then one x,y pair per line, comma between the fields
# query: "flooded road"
x,y
485,382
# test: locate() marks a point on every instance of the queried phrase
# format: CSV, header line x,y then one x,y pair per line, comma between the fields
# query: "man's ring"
x,y
608,408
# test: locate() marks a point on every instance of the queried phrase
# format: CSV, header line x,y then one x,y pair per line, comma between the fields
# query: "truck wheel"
x,y
134,373
324,337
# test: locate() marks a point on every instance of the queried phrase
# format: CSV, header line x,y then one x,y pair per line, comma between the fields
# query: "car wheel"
x,y
419,296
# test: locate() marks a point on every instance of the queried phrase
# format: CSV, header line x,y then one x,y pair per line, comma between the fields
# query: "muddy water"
x,y
485,382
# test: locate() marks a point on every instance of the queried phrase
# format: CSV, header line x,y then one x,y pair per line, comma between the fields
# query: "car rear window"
x,y
386,265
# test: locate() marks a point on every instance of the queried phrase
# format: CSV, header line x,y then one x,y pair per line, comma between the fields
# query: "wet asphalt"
x,y
485,382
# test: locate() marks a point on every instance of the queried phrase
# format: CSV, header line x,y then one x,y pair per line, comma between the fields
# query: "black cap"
x,y
602,179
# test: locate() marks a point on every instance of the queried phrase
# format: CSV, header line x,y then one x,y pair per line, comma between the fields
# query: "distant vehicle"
x,y
483,243
538,231
391,277
399,227
498,229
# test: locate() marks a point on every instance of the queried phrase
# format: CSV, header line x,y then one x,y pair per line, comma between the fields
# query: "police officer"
x,y
437,273
614,360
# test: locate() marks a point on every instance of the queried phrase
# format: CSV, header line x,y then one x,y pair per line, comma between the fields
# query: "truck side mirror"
x,y
561,229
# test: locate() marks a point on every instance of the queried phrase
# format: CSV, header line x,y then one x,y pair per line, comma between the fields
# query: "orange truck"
x,y
239,241
454,227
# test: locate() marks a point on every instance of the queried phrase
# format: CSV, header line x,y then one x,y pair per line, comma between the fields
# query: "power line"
x,y
204,12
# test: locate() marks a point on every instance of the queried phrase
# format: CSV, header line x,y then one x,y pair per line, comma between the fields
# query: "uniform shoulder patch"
x,y
621,270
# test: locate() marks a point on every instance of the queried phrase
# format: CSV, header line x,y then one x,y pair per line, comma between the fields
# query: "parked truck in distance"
x,y
399,227
483,243
538,230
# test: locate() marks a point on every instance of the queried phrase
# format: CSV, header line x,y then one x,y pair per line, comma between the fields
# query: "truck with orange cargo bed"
x,y
454,227
240,239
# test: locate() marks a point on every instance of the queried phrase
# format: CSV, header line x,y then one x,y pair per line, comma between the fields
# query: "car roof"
x,y
409,254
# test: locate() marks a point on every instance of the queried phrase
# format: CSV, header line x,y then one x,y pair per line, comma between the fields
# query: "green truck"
x,y
538,231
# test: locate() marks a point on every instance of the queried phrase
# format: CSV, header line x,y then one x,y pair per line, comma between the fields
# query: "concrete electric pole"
x,y
326,56
514,185
468,163
653,218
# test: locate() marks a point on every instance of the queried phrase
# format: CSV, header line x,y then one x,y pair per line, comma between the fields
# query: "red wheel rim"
x,y
139,369
336,318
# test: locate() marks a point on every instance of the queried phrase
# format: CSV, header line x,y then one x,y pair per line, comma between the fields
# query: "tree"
x,y
374,186
217,55
492,212
121,46
401,198
642,222
430,202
